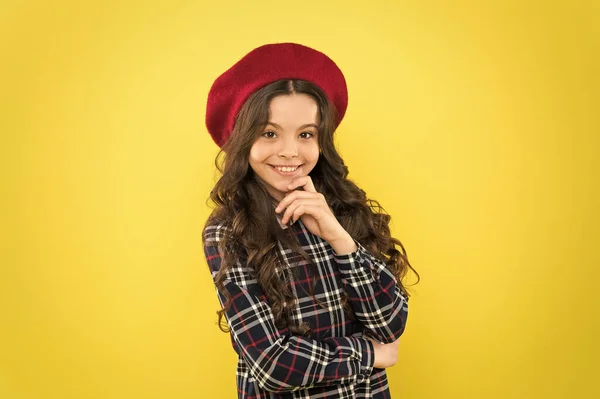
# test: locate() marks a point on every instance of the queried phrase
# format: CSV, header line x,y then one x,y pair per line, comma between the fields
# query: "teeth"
x,y
286,169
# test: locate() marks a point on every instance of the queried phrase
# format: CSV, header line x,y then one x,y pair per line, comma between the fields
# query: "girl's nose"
x,y
289,148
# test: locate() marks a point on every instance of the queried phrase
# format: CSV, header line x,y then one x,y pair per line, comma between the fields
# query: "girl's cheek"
x,y
257,153
315,151
261,154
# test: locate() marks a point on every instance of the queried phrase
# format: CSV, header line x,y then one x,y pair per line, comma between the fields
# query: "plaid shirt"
x,y
336,361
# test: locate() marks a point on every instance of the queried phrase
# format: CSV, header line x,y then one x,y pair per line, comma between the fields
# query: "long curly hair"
x,y
244,205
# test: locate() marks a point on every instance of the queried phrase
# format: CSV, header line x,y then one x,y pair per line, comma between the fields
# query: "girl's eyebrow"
x,y
301,127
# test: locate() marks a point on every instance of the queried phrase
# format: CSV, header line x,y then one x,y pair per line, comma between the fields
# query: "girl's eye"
x,y
307,135
269,134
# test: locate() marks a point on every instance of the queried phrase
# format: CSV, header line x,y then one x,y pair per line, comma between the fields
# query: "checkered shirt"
x,y
336,360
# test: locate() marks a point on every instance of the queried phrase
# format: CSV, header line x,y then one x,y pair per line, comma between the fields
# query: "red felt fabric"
x,y
264,65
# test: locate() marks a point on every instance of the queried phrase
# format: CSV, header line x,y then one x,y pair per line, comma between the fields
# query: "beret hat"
x,y
264,65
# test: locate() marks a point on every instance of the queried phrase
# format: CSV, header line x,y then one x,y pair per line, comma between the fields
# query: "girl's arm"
x,y
377,301
278,360
375,298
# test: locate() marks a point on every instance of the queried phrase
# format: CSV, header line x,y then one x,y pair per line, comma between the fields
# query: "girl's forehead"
x,y
297,109
309,125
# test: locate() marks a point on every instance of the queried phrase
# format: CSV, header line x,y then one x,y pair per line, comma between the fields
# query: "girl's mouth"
x,y
286,170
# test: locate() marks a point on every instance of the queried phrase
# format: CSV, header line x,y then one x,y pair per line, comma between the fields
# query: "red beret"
x,y
264,65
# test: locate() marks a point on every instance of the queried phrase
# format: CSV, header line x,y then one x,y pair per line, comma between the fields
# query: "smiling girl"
x,y
307,273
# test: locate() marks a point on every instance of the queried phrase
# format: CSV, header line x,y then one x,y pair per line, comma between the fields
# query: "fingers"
x,y
304,182
300,207
295,195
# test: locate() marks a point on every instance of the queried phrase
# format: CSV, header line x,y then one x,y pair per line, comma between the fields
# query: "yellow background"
x,y
475,124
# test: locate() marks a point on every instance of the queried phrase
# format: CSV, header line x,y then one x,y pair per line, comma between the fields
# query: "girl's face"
x,y
288,146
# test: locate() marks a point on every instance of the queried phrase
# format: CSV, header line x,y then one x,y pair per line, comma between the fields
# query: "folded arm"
x,y
375,297
278,360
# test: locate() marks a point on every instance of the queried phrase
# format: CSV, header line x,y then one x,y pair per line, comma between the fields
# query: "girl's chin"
x,y
278,188
281,189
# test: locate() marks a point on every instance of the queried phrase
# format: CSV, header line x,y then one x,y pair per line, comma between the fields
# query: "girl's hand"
x,y
386,355
312,208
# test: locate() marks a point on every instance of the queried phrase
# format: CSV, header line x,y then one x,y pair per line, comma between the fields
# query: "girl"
x,y
308,276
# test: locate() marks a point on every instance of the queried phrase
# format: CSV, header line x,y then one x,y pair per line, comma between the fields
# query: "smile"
x,y
286,170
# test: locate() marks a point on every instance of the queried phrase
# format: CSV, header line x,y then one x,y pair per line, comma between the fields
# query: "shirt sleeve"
x,y
376,299
278,360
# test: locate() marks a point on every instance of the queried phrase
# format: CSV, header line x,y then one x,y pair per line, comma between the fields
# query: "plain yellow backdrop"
x,y
474,123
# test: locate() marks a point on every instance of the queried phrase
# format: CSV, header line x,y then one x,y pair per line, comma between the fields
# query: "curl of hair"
x,y
246,207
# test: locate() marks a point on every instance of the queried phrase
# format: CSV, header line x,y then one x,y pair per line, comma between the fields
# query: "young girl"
x,y
306,271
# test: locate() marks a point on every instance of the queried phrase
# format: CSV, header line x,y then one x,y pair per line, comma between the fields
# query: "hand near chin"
x,y
312,208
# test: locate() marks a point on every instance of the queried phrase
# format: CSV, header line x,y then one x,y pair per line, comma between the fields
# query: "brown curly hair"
x,y
246,208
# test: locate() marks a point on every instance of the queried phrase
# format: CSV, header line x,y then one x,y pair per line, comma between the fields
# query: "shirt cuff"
x,y
348,262
367,359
